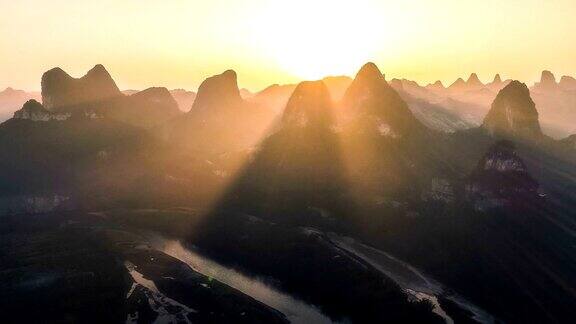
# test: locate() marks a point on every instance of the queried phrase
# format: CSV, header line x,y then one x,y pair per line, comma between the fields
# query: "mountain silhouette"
x,y
474,82
310,106
370,105
60,91
497,79
217,92
513,113
33,110
458,85
567,83
219,112
273,97
547,82
95,95
436,86
312,174
298,166
497,84
148,108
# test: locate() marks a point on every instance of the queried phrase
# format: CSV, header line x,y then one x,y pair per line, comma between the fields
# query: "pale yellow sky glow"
x,y
178,43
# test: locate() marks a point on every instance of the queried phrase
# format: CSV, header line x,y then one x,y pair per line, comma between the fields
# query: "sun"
x,y
313,39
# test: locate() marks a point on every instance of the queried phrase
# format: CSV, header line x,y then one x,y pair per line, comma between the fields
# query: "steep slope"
x,y
60,91
547,83
497,84
298,167
370,105
217,92
473,82
458,85
436,116
381,139
513,113
556,102
436,86
220,121
184,98
33,110
501,179
96,95
148,108
276,96
84,160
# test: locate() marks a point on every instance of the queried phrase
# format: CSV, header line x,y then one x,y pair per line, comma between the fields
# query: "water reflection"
x,y
295,310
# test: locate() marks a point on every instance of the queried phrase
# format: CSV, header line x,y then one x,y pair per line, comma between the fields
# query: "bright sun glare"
x,y
311,40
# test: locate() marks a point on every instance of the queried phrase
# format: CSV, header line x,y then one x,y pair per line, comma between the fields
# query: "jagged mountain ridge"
x,y
298,170
60,91
95,95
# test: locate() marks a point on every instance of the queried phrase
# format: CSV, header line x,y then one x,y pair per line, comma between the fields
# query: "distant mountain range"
x,y
459,106
11,100
465,182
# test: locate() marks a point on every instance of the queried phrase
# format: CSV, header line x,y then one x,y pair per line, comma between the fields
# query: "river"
x,y
413,281
295,310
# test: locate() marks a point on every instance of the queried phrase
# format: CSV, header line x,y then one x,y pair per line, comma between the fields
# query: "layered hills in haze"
x,y
61,91
12,99
96,95
360,200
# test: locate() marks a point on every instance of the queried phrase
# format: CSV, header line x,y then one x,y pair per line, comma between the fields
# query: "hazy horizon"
x,y
177,44
365,199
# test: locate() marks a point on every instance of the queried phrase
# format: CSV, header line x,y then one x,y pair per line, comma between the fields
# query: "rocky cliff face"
x,y
501,179
60,91
33,110
513,113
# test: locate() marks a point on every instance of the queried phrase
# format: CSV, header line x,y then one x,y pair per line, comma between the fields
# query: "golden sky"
x,y
178,43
